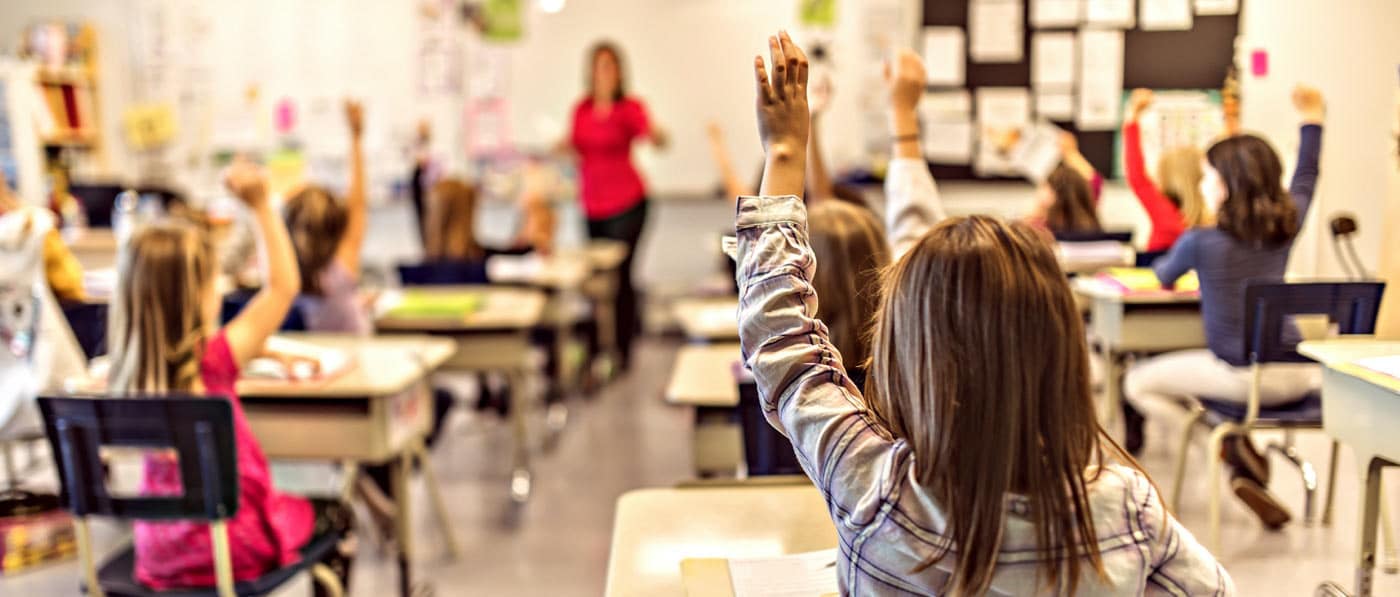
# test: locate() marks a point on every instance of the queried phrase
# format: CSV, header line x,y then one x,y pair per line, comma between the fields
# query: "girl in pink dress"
x,y
165,339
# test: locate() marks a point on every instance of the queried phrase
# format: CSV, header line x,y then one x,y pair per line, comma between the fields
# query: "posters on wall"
x,y
1001,111
1100,79
1165,15
948,132
817,13
995,30
1217,7
1054,105
503,20
1109,13
1052,60
1056,13
943,56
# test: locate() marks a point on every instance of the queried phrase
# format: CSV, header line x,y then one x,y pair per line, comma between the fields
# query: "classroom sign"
x,y
817,13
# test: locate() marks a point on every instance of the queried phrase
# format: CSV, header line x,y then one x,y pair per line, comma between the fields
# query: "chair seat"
x,y
118,574
1306,412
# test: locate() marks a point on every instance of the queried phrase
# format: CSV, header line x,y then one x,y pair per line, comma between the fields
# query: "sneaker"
x,y
1270,512
1239,452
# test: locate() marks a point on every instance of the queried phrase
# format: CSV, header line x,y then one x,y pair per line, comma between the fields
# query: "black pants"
x,y
333,516
625,227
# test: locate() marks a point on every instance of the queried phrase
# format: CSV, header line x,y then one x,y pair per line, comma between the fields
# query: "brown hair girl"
x,y
851,253
1257,209
451,224
1072,209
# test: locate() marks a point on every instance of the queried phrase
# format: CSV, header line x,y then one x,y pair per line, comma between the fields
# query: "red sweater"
x,y
1167,223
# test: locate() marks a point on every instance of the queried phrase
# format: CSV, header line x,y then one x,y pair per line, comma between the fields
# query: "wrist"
x,y
1313,116
904,122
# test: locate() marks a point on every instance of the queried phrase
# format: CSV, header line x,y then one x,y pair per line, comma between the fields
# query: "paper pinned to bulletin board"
x,y
148,126
817,13
1178,118
503,20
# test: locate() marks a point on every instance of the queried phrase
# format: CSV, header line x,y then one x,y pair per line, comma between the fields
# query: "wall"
x,y
1351,51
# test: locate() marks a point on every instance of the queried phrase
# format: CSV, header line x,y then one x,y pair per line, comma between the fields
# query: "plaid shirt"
x,y
886,521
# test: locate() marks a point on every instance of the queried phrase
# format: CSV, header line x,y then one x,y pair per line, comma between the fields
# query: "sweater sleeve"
x,y
1179,260
1305,173
1165,217
912,203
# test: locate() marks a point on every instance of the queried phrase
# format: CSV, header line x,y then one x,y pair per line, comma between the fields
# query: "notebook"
x,y
412,304
810,574
1142,280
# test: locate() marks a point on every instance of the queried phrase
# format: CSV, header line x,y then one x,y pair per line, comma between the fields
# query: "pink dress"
x,y
266,532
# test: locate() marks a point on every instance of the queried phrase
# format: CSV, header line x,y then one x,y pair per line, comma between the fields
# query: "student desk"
x,y
708,319
654,529
703,378
1361,408
94,248
376,412
495,337
1121,324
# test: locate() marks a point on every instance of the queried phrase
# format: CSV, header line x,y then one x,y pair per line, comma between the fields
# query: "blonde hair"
x,y
451,226
1179,173
851,253
979,363
156,323
316,222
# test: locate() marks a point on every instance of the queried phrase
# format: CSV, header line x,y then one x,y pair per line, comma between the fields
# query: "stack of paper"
x,y
1081,256
1386,365
811,574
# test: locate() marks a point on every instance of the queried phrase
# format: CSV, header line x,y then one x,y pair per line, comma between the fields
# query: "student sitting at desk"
x,y
975,463
1257,223
1067,200
1177,205
164,339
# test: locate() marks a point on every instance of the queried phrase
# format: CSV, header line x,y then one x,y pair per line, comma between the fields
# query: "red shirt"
x,y
608,182
266,532
1167,223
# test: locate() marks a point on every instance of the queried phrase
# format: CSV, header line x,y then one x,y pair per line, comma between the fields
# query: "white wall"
x,y
1350,49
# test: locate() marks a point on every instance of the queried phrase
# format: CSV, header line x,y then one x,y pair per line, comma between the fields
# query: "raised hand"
x,y
783,116
905,80
247,182
1138,102
1310,105
819,95
1068,143
355,117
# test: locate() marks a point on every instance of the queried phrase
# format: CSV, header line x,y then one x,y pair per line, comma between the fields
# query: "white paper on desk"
x,y
1052,59
1109,13
1217,7
1054,104
944,56
1056,13
310,361
999,110
1100,79
1387,365
1164,15
996,30
810,574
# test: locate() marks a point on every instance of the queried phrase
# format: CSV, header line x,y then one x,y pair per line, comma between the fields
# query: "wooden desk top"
x,y
703,376
383,366
708,318
503,308
655,529
1095,289
605,254
1341,354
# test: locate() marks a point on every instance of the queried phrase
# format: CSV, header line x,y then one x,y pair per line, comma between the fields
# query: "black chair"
x,y
443,273
200,432
97,201
1147,258
1094,237
89,324
766,450
1272,337
235,301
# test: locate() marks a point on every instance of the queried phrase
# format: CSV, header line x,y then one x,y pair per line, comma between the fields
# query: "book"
x,y
411,304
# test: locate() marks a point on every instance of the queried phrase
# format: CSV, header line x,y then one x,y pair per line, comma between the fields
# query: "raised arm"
x,y
265,311
1160,209
1069,153
1311,110
356,208
801,381
734,187
912,204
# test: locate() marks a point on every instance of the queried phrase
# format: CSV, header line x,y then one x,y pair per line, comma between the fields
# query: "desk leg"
x,y
420,454
403,468
557,413
520,479
1370,513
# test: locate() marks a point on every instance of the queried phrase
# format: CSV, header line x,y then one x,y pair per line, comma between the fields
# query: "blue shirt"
x,y
1225,264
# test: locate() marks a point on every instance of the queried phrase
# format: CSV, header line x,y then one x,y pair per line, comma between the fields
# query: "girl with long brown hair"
x,y
1255,226
975,464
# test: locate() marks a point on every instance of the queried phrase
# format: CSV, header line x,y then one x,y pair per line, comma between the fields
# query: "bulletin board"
x,y
1198,58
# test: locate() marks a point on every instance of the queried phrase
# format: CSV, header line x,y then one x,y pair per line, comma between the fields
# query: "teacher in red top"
x,y
605,124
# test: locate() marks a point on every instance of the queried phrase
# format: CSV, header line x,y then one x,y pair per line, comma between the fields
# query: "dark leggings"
x,y
333,516
626,227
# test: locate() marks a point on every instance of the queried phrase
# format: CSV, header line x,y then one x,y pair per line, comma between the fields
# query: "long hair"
x,y
156,326
1074,209
450,230
851,255
979,363
316,221
610,48
1257,209
1179,173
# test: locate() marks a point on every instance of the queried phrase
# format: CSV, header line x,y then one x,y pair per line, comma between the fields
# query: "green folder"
x,y
436,305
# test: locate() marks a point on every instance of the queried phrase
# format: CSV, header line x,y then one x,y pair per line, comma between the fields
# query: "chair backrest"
x,y
443,273
1270,336
199,430
235,301
89,324
1092,237
1147,258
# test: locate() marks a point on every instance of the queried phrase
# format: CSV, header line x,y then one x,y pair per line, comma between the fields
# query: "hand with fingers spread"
x,y
783,117
1308,101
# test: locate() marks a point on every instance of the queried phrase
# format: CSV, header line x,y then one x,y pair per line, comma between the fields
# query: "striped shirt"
x,y
887,523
